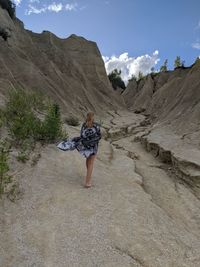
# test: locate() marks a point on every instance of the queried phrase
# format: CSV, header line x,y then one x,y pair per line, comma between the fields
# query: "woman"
x,y
90,135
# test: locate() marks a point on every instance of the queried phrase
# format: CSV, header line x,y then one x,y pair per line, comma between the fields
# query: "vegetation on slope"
x,y
116,80
27,118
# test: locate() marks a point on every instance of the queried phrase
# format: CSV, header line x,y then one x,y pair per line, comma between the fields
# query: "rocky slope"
x,y
135,215
171,102
143,209
170,98
69,70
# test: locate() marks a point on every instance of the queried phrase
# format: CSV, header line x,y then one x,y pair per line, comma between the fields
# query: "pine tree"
x,y
116,80
52,125
164,66
178,63
140,76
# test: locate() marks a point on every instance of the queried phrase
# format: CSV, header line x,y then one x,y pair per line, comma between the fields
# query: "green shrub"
x,y
22,156
73,121
25,149
178,63
4,167
51,127
133,78
22,118
9,6
197,60
164,66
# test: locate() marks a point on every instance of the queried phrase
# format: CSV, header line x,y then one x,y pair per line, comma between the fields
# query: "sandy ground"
x,y
136,214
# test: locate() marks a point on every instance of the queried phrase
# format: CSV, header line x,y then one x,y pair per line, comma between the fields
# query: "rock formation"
x,y
69,70
144,208
171,100
135,215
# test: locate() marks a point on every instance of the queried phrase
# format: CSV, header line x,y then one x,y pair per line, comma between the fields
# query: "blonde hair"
x,y
89,119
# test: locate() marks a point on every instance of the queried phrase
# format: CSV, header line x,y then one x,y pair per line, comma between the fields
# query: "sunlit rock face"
x,y
69,70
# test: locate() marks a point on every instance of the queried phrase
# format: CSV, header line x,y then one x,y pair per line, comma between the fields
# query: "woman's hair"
x,y
89,119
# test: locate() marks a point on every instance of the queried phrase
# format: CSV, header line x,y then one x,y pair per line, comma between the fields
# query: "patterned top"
x,y
77,142
89,134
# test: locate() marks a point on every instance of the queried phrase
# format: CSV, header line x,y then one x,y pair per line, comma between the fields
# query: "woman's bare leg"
x,y
89,164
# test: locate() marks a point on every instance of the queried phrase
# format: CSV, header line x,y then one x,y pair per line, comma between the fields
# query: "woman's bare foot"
x,y
87,185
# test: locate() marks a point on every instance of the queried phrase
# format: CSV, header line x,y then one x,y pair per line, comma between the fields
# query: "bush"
x,y
22,156
140,76
164,66
51,127
197,60
73,121
22,118
9,6
178,63
116,79
133,78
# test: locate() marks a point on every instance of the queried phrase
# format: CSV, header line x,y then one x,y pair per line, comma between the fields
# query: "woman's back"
x,y
90,134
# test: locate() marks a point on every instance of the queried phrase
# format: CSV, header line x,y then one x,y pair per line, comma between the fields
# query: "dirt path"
x,y
134,215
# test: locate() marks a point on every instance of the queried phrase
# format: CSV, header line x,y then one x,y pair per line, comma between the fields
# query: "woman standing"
x,y
90,135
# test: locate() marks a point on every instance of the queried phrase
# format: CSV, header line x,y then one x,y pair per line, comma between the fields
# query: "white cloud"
x,y
130,66
71,7
54,7
196,45
17,2
35,10
34,1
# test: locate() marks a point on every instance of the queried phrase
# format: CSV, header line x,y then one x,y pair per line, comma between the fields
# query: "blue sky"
x,y
131,34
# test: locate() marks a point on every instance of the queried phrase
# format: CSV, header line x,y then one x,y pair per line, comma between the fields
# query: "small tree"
x,y
116,80
140,76
133,78
178,63
164,66
20,118
197,60
51,128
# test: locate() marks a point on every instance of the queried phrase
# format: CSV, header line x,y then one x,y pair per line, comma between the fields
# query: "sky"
x,y
132,35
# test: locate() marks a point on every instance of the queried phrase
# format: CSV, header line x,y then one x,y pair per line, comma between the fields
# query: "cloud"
x,y
34,1
196,45
71,7
130,66
35,10
54,7
17,2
